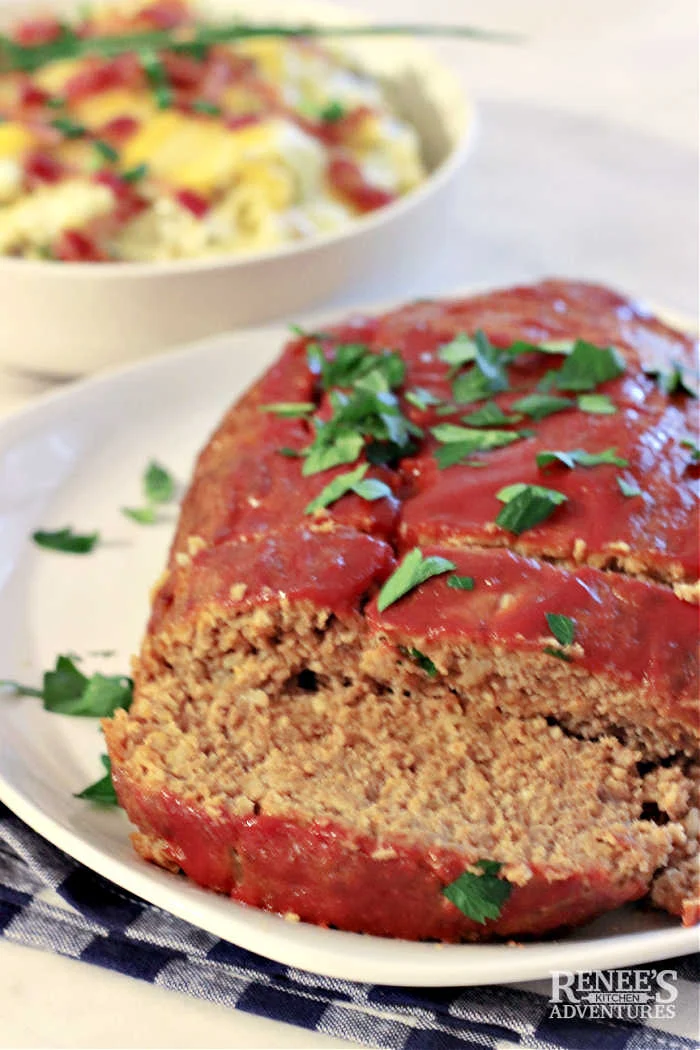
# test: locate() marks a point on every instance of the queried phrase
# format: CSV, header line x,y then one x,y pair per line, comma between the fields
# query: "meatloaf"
x,y
423,661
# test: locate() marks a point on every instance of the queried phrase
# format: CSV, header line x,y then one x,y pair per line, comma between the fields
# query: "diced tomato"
x,y
243,120
76,246
129,203
165,14
118,130
199,206
182,71
38,31
346,177
42,168
123,71
338,132
31,95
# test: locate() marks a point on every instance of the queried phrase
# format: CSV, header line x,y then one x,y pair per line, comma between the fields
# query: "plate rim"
x,y
268,934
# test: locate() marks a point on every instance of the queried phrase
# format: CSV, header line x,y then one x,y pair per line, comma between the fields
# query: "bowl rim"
x,y
363,224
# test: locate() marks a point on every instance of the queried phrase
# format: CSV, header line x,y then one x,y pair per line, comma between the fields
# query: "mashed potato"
x,y
234,148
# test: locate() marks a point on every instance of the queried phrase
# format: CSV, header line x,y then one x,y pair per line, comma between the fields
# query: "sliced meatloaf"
x,y
423,662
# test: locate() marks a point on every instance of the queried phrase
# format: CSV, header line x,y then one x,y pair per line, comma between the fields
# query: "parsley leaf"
x,y
460,351
526,505
562,627
461,583
677,379
67,691
158,78
579,457
66,540
588,366
487,375
629,488
290,409
423,661
596,404
105,151
102,791
332,452
461,442
551,651
370,489
333,112
290,453
480,897
134,174
352,361
68,127
412,571
538,406
208,109
421,399
141,515
490,415
158,483
694,450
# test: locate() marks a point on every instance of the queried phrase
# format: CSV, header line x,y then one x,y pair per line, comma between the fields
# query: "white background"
x,y
586,166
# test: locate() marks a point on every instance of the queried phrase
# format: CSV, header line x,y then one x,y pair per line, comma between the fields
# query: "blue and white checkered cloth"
x,y
49,901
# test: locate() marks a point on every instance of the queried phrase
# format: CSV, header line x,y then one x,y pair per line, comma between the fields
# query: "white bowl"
x,y
65,319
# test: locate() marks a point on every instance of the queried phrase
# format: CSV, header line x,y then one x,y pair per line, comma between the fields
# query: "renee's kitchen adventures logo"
x,y
619,995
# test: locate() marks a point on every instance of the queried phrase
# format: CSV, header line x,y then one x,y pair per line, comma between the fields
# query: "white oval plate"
x,y
75,458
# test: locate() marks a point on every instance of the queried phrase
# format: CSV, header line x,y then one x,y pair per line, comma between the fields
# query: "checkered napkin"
x,y
49,901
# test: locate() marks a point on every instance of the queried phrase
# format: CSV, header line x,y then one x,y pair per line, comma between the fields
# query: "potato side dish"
x,y
166,154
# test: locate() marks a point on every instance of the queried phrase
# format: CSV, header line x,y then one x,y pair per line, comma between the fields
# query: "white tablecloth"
x,y
586,166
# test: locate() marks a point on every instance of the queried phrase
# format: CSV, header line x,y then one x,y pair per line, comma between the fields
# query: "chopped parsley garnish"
x,y
105,151
562,627
675,380
413,570
460,351
67,691
332,451
460,583
157,77
333,112
461,442
480,896
419,658
56,102
135,174
158,484
596,404
421,399
158,487
354,361
487,375
290,409
354,481
102,791
628,488
694,450
560,655
208,109
539,406
66,540
490,415
369,410
588,366
291,453
526,506
68,127
578,457
141,515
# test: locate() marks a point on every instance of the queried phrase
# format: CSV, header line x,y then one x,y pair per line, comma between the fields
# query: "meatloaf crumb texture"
x,y
293,746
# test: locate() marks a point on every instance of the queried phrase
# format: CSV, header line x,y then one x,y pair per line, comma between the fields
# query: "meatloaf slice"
x,y
305,747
